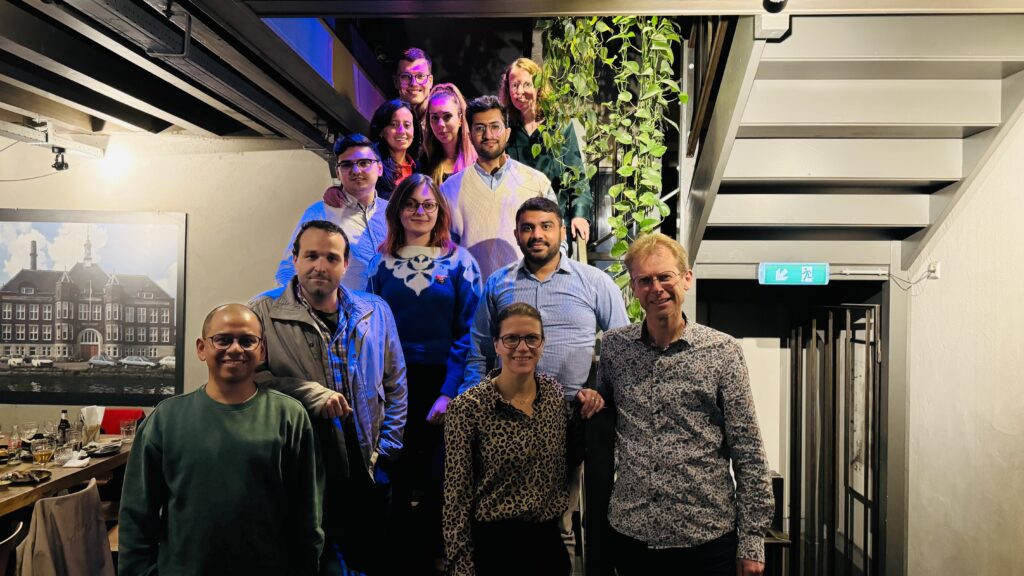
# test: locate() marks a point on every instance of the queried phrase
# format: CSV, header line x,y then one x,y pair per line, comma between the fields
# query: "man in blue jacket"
x,y
320,331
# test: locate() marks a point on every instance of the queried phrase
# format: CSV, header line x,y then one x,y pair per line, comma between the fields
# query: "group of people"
x,y
411,398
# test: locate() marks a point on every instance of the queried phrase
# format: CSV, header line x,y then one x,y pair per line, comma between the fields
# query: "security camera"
x,y
58,162
774,6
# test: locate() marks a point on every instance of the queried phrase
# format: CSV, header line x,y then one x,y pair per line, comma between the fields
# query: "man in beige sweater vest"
x,y
484,198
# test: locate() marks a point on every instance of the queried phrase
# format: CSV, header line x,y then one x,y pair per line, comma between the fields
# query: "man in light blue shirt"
x,y
575,301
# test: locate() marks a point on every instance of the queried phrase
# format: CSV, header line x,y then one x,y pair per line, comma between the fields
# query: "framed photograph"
x,y
92,307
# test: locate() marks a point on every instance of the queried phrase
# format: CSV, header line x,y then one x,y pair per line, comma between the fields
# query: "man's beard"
x,y
539,260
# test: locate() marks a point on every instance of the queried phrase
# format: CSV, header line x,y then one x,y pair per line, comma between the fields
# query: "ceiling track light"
x,y
59,164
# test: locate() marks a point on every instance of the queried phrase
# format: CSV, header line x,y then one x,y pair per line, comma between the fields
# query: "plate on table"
x,y
103,449
35,476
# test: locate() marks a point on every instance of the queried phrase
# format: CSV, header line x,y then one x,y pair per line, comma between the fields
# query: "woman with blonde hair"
x,y
521,91
447,148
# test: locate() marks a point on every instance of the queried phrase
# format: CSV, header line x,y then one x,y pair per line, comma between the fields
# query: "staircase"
x,y
835,136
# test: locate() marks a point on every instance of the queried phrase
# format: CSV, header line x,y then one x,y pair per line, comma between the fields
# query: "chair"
x,y
67,537
112,418
7,545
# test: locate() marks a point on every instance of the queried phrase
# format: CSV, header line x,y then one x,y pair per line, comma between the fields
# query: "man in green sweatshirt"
x,y
225,479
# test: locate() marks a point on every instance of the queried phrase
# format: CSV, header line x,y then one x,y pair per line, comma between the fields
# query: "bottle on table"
x,y
62,428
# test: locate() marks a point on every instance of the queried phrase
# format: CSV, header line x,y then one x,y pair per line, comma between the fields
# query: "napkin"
x,y
78,460
93,415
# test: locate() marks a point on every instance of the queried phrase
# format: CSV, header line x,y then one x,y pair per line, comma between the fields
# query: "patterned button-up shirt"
x,y
502,464
683,415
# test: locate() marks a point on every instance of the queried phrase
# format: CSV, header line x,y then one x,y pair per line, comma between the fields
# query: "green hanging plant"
x,y
626,131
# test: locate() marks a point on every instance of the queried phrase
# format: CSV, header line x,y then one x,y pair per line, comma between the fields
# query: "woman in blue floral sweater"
x,y
433,287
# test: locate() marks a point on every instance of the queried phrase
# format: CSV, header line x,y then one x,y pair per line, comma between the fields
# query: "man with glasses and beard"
x,y
484,198
691,478
575,300
346,343
226,479
355,208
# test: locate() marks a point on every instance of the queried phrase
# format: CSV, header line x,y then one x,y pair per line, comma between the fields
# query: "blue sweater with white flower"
x,y
433,294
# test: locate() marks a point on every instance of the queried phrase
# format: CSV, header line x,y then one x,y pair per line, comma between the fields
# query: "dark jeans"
x,y
715,558
518,548
418,477
355,517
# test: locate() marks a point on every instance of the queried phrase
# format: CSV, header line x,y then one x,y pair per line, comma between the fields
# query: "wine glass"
x,y
42,451
28,431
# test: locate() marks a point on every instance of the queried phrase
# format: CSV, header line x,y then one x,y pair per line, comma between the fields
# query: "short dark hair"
x,y
355,140
515,309
326,226
539,204
483,104
209,317
412,54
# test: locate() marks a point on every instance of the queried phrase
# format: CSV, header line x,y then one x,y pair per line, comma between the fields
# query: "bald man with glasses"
x,y
226,455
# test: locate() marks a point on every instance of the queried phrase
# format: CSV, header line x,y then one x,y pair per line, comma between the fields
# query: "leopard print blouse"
x,y
501,464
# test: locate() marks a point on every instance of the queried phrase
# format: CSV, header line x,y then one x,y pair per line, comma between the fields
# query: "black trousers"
x,y
715,558
518,548
355,518
418,477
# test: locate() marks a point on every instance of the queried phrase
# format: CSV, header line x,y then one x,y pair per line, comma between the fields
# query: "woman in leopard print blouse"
x,y
506,465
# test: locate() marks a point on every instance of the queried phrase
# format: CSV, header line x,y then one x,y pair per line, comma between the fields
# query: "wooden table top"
x,y
20,496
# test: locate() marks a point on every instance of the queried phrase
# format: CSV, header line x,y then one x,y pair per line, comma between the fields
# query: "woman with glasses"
x,y
447,147
509,442
396,133
522,88
432,286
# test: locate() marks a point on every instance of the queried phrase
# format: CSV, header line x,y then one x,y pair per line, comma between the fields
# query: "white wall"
x,y
242,197
768,364
966,403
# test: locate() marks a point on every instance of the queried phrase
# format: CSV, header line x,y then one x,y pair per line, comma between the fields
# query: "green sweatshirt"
x,y
219,489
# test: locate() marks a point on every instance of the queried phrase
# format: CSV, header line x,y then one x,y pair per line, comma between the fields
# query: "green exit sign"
x,y
792,273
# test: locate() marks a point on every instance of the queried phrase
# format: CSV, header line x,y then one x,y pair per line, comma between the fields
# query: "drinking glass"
x,y
5,449
62,455
28,430
14,444
42,451
75,440
127,430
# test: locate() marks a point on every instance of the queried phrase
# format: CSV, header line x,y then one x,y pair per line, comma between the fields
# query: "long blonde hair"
x,y
543,90
465,154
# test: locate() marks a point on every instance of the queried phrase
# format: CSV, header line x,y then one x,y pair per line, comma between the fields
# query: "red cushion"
x,y
112,418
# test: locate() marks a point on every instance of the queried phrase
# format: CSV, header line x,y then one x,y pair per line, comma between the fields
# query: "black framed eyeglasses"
x,y
362,164
406,79
246,342
511,341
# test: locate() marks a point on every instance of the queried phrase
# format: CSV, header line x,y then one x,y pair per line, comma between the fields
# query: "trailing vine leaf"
x,y
625,132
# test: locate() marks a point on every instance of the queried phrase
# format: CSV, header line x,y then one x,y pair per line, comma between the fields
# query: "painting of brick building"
x,y
103,321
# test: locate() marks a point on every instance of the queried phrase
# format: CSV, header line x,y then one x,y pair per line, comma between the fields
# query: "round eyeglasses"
x,y
412,206
406,79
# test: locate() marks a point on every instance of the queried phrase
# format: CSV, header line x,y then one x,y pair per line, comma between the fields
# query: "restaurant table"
x,y
17,497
